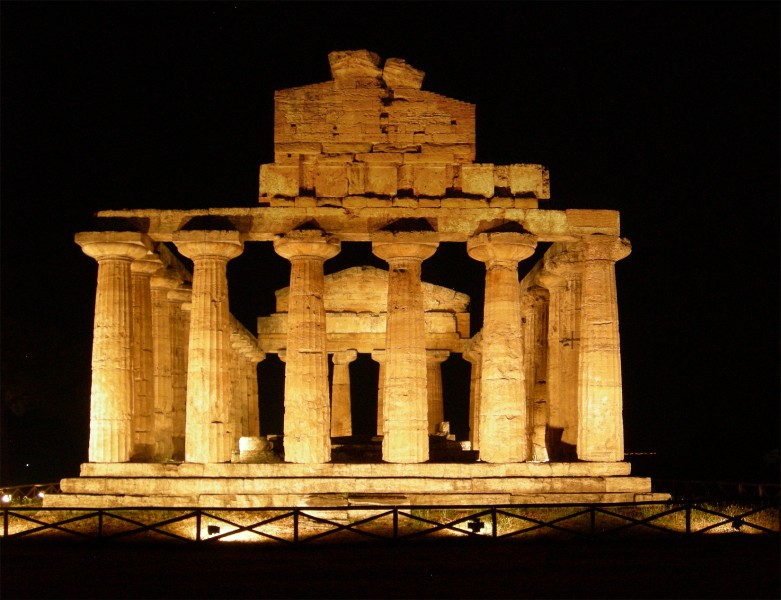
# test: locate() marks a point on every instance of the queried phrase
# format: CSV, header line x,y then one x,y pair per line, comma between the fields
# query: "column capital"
x,y
419,245
344,357
501,247
148,265
604,247
180,294
551,281
120,245
378,356
165,279
308,243
209,244
437,356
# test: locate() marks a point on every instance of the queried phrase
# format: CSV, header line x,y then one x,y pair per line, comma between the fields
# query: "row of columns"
x,y
410,388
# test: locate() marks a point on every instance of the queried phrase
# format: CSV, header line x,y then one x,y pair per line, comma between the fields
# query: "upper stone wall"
x,y
372,131
371,110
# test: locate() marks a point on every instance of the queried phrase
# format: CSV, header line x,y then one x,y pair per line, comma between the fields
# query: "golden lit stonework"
x,y
368,156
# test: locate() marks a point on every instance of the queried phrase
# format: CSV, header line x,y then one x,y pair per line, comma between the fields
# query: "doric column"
x,y
341,417
307,426
253,356
535,326
475,357
238,418
180,306
163,356
557,289
143,365
208,436
405,399
601,431
502,395
378,356
436,409
111,400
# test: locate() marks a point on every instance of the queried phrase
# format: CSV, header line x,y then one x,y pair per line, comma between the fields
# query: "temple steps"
x,y
334,484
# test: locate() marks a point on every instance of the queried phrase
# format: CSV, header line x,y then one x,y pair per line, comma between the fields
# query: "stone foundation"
x,y
286,484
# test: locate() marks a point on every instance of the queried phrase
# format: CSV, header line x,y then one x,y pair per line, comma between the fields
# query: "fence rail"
x,y
301,525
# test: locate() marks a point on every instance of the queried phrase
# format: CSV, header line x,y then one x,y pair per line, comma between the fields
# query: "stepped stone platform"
x,y
229,485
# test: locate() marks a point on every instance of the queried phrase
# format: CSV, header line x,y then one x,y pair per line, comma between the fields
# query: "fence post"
x,y
295,525
688,517
5,522
198,524
395,522
493,522
100,522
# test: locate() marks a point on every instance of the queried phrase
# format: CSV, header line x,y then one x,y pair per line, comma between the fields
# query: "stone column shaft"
x,y
253,414
474,357
162,353
307,425
143,364
111,400
601,432
209,436
535,361
502,396
179,307
341,405
378,356
436,408
405,399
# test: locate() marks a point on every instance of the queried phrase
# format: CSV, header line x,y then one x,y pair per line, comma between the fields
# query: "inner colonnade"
x,y
175,378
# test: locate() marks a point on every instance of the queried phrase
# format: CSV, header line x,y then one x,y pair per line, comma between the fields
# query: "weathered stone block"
x,y
279,180
478,179
429,180
530,179
332,180
381,179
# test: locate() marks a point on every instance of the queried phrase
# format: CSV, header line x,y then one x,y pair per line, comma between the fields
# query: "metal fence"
x,y
304,525
27,494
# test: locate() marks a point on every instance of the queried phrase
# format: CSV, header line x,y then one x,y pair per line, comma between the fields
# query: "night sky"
x,y
666,112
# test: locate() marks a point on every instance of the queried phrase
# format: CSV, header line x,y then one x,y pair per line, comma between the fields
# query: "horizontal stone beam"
x,y
361,224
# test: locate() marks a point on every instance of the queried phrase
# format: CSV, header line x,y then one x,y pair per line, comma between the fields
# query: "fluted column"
x,y
502,396
341,405
557,288
162,354
378,356
601,431
474,356
307,425
239,423
405,399
208,437
111,399
143,365
436,409
180,307
535,353
253,357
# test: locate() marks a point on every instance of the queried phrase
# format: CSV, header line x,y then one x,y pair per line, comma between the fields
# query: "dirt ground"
x,y
728,566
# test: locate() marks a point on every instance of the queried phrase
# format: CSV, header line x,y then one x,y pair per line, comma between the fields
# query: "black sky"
x,y
667,112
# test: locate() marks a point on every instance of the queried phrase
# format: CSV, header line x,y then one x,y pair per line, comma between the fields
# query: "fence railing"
x,y
26,494
298,525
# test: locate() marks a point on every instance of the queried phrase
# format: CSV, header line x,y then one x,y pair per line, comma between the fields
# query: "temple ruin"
x,y
365,157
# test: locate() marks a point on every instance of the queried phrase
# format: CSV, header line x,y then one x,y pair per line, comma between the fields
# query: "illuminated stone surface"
x,y
502,420
405,398
208,433
307,406
341,416
111,405
365,157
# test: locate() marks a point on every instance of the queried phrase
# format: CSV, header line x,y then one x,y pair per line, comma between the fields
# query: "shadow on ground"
x,y
728,566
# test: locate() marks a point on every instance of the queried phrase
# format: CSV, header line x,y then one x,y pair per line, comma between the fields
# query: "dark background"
x,y
667,112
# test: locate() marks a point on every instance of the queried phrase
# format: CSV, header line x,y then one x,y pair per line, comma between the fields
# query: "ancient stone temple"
x,y
366,157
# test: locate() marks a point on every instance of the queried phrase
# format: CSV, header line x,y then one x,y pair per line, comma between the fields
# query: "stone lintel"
x,y
362,224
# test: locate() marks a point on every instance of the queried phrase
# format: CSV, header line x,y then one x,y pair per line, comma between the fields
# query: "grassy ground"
x,y
720,566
